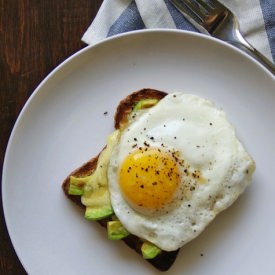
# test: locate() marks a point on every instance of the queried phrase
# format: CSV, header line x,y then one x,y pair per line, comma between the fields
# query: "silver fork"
x,y
213,18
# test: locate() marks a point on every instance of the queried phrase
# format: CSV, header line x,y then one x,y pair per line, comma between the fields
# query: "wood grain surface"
x,y
35,36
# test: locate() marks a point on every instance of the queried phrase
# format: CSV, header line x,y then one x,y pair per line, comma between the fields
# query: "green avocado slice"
x,y
116,231
97,213
149,250
145,103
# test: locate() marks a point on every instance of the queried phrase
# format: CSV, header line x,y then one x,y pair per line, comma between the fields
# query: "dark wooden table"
x,y
35,36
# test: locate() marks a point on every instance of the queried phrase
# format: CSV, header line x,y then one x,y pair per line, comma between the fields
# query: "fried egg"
x,y
175,167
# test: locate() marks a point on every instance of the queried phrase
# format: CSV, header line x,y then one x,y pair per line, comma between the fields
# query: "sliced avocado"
x,y
149,250
145,103
97,213
75,190
116,231
76,186
98,204
93,188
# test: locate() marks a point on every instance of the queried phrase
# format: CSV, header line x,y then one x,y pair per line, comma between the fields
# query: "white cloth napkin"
x,y
256,18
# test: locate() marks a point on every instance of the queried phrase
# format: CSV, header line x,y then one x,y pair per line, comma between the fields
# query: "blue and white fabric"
x,y
256,18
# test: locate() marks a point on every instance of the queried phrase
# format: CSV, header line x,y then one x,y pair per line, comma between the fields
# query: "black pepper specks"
x,y
146,144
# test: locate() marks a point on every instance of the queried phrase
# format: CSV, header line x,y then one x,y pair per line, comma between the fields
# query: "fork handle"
x,y
250,50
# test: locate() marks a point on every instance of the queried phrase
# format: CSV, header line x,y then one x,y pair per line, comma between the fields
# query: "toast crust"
x,y
126,105
165,259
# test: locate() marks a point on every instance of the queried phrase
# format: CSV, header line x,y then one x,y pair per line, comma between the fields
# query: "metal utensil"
x,y
213,18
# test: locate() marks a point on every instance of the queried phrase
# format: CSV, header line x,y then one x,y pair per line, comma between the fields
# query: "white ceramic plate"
x,y
63,125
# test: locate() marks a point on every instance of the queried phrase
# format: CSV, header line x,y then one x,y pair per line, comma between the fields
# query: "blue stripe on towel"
x,y
179,19
268,9
129,20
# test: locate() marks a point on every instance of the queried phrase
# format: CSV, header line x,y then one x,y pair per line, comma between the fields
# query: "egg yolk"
x,y
149,178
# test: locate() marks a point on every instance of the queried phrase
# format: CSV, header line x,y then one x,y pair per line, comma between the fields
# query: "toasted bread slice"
x,y
165,259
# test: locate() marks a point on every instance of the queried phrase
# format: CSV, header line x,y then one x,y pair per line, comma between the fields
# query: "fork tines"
x,y
199,8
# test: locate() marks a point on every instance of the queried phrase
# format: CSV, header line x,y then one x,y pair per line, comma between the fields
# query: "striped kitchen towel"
x,y
256,18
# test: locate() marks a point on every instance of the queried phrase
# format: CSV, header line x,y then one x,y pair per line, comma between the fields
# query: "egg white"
x,y
207,141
